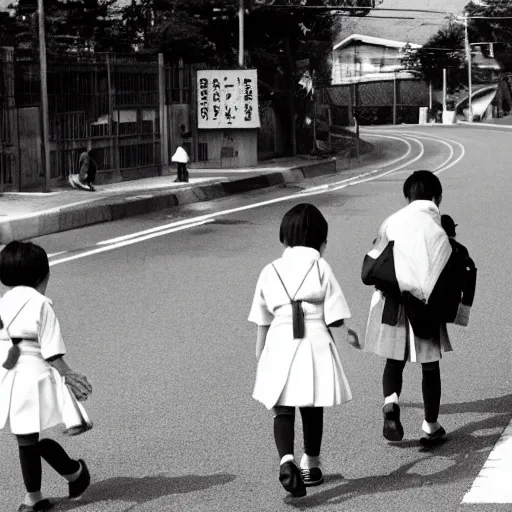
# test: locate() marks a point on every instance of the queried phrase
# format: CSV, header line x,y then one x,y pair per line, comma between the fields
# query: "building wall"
x,y
220,149
363,60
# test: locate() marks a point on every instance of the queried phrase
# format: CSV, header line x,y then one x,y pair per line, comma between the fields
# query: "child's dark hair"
x,y
423,185
303,225
23,264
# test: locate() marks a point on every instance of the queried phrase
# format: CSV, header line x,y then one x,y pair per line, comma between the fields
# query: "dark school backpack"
x,y
456,284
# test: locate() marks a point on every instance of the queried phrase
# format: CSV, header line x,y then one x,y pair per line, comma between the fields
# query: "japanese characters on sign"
x,y
227,99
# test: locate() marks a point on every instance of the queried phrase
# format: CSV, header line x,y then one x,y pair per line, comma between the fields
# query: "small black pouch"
x,y
298,319
13,355
14,352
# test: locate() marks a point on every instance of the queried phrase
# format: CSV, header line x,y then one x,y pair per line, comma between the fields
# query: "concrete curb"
x,y
485,125
120,207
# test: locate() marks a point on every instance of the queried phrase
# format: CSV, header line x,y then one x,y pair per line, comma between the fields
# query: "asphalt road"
x,y
160,328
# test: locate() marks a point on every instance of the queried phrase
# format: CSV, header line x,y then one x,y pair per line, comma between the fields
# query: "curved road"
x,y
154,311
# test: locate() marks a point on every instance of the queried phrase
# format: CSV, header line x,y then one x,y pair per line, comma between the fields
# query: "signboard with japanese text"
x,y
227,99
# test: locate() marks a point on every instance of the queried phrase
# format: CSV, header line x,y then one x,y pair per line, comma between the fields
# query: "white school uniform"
x,y
33,395
308,371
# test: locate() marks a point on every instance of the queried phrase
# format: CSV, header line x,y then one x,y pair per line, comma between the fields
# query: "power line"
x,y
339,8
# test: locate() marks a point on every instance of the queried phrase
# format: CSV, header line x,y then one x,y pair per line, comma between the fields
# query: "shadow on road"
x,y
466,448
145,489
498,405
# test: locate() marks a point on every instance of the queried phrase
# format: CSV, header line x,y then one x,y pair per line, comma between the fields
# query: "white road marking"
x,y
422,152
126,242
492,485
185,223
56,254
202,219
442,139
45,194
409,147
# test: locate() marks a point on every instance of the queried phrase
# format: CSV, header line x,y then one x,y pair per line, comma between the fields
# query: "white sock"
x,y
287,458
430,428
308,462
75,475
31,498
391,399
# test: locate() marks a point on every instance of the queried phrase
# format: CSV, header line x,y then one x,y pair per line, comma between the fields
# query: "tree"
x,y
445,49
493,30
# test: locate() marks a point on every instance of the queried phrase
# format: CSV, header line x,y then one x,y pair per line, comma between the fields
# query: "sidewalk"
x,y
32,214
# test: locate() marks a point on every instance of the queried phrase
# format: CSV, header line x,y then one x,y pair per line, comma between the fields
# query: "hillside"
x,y
414,31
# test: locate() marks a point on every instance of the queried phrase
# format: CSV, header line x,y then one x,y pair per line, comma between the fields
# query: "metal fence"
x,y
379,102
7,118
110,103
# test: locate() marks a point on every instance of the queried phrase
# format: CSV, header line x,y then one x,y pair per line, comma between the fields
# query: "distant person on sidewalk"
x,y
86,177
38,390
182,159
414,271
297,301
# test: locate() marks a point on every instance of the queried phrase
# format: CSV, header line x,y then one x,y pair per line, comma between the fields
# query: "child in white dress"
x,y
297,299
38,390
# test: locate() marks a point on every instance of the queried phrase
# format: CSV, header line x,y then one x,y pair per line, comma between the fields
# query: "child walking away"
x,y
38,390
182,159
297,299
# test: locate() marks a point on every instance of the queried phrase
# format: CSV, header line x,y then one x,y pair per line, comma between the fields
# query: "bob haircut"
x,y
303,225
23,264
423,185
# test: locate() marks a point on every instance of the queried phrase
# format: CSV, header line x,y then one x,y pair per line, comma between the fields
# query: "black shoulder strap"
x,y
300,286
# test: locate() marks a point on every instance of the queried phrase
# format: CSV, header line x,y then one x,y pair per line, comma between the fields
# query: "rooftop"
x,y
378,41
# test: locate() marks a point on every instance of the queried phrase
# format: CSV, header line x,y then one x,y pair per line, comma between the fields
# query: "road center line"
x,y
415,159
441,139
127,242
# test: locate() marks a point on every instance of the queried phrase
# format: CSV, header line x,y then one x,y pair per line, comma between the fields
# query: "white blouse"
x,y
319,288
29,315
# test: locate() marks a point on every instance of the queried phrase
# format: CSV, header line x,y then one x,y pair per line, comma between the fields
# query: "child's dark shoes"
x,y
436,437
40,506
393,429
291,480
78,487
311,476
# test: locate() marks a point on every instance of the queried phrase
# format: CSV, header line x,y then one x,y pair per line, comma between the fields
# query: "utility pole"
x,y
44,96
394,98
241,14
444,90
470,80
